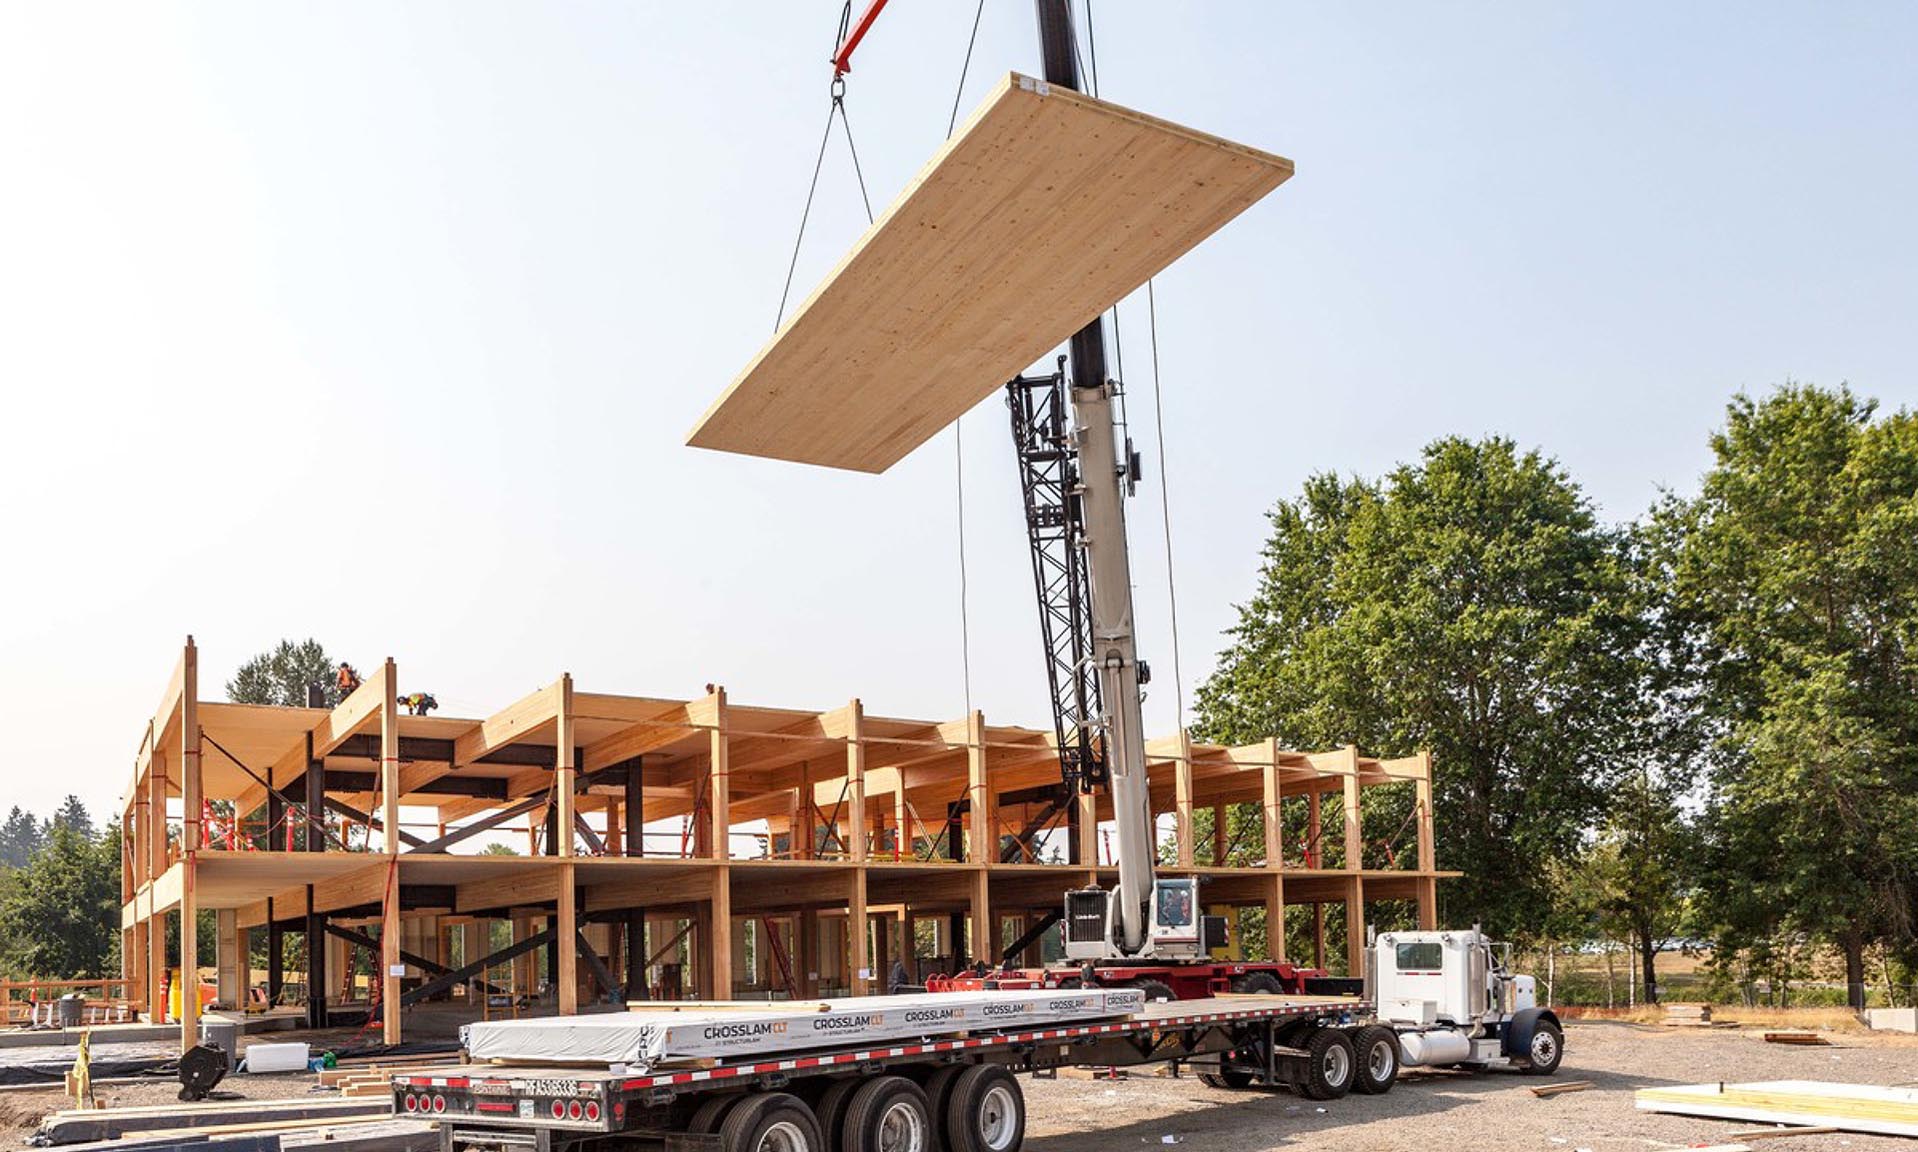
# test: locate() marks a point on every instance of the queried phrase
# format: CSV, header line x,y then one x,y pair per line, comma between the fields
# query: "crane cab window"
x,y
1424,956
1174,906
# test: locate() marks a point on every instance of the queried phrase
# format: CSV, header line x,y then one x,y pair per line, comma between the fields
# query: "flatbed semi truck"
x,y
941,1093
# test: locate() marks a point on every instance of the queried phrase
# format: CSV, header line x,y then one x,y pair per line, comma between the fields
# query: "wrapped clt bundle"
x,y
654,1035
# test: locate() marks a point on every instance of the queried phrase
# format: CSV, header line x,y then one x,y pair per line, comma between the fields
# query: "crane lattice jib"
x,y
1049,479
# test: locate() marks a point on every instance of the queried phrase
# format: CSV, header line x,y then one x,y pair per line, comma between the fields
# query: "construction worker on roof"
x,y
348,680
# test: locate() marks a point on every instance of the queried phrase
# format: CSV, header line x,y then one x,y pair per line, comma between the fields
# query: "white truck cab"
x,y
1453,999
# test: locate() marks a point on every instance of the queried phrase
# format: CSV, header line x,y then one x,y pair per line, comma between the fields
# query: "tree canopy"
x,y
281,676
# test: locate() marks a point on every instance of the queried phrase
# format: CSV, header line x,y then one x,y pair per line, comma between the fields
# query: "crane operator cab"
x,y
1177,929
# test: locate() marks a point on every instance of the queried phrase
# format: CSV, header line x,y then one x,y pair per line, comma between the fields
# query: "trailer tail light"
x,y
573,1110
559,1109
412,1102
439,1103
592,1111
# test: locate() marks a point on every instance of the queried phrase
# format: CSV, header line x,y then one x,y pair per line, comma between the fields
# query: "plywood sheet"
x,y
1045,209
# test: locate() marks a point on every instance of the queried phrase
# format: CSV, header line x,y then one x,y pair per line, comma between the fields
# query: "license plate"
x,y
525,1109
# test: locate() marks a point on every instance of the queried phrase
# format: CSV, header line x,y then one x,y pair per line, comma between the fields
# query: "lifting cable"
x,y
958,431
837,107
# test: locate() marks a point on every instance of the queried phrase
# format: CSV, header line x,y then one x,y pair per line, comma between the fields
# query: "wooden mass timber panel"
x,y
1043,211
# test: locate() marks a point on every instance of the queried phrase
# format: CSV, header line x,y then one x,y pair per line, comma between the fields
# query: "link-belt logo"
x,y
841,1023
744,1031
934,1015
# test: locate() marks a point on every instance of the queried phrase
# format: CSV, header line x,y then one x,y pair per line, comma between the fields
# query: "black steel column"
x,y
275,838
315,964
635,809
315,838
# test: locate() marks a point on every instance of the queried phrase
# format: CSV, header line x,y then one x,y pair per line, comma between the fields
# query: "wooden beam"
x,y
1182,798
979,841
507,725
859,961
717,953
1272,814
1355,926
514,887
563,784
856,803
1428,845
351,890
192,798
719,794
647,736
566,979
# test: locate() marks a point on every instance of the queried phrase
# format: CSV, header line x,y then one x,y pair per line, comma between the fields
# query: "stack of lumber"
x,y
75,1127
1795,1037
377,1079
1687,1015
1849,1107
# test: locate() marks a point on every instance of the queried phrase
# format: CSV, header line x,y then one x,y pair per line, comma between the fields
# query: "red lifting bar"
x,y
842,60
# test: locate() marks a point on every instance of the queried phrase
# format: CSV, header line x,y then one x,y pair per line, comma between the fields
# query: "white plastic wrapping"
x,y
646,1037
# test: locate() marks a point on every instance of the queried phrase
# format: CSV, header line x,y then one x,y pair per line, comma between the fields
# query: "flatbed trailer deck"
x,y
827,1097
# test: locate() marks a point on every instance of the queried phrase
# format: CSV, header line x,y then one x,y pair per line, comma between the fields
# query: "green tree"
x,y
60,915
1796,571
21,836
1470,604
73,814
280,677
1638,871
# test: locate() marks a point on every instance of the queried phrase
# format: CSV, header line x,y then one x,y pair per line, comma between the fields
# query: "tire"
x,y
1546,1050
938,1090
1330,1067
1227,1078
1153,989
773,1122
987,1112
888,1114
1377,1049
830,1111
1257,984
711,1114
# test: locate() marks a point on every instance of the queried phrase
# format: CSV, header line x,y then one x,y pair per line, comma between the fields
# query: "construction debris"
x,y
1562,1087
1687,1015
1787,1130
1811,1038
1848,1107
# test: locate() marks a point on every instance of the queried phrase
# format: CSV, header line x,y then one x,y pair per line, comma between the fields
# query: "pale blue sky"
x,y
383,323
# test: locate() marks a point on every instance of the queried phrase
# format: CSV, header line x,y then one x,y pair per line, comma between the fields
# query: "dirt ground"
x,y
1439,1111
1426,1112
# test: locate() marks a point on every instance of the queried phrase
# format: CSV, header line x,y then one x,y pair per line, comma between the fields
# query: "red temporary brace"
x,y
842,59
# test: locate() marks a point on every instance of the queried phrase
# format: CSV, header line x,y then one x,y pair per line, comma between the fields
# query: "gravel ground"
x,y
1427,1111
1430,1111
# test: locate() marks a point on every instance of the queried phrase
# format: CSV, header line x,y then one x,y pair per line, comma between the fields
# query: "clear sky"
x,y
384,323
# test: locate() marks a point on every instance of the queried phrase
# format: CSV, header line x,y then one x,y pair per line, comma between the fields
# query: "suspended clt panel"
x,y
1045,209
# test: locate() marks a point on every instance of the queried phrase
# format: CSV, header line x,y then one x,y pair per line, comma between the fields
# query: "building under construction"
x,y
683,848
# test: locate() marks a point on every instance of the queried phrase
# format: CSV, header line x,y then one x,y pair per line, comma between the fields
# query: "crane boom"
x,y
1101,496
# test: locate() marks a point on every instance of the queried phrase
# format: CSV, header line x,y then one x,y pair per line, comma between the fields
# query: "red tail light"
x,y
412,1102
592,1111
573,1110
559,1109
439,1103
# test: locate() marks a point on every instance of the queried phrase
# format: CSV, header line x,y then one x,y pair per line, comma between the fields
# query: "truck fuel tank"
x,y
1439,1047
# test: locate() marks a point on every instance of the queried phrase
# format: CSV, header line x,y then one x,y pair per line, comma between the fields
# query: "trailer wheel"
x,y
1257,984
1330,1065
831,1111
710,1114
774,1122
987,1112
938,1090
1230,1078
1153,989
888,1114
1378,1059
1547,1048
